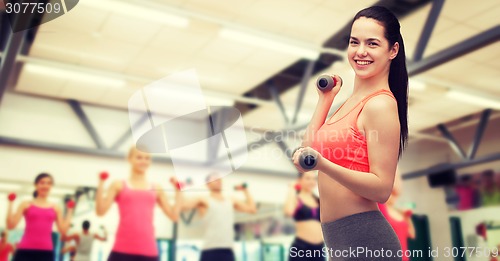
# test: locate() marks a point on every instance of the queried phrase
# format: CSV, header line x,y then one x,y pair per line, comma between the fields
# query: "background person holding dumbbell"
x,y
6,248
356,150
39,215
217,212
84,241
136,198
303,206
399,219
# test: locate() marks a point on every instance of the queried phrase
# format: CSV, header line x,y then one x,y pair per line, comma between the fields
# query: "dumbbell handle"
x,y
307,160
326,82
241,186
178,184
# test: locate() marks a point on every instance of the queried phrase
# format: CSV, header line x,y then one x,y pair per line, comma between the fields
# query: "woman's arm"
x,y
63,223
14,218
171,212
411,228
325,101
291,201
103,202
382,135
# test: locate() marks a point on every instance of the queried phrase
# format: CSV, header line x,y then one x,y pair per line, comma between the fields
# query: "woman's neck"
x,y
363,87
40,199
137,176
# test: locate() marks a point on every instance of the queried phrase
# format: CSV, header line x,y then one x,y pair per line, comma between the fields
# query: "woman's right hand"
x,y
330,95
294,186
103,176
12,196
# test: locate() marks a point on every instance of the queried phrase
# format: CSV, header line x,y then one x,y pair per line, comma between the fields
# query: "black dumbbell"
x,y
326,82
307,160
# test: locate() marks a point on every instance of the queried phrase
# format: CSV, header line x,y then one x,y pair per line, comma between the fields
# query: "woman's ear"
x,y
394,51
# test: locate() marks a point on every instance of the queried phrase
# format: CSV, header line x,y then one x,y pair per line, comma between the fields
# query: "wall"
x,y
431,201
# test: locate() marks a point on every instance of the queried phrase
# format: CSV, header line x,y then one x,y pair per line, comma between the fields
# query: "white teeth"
x,y
363,62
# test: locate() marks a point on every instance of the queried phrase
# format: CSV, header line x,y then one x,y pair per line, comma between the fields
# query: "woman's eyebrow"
x,y
369,39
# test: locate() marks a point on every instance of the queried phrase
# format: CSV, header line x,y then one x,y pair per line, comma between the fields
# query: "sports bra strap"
x,y
366,99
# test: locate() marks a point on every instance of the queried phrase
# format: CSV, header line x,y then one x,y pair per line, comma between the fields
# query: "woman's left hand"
x,y
296,157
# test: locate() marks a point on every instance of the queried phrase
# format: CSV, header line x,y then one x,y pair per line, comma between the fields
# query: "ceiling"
x,y
115,44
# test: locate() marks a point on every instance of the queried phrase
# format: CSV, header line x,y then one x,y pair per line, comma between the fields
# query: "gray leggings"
x,y
362,236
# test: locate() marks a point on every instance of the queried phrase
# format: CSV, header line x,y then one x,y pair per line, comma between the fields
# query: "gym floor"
x,y
71,106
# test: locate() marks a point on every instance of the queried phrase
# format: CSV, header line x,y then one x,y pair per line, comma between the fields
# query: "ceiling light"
x,y
138,11
74,75
268,43
473,99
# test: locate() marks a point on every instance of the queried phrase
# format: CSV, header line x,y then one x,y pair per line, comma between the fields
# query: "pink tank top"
x,y
5,251
135,234
38,232
400,227
341,142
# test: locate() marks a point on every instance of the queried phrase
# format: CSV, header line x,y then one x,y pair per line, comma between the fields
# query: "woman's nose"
x,y
361,51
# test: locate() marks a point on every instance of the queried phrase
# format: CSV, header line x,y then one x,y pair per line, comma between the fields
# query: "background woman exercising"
x,y
303,206
136,198
39,215
400,220
6,248
358,147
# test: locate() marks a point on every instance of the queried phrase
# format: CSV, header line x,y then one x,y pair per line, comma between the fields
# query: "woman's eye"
x,y
372,44
352,42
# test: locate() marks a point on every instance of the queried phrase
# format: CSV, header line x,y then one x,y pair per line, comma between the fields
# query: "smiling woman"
x,y
39,215
357,170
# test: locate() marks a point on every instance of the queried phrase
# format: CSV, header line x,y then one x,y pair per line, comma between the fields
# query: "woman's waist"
x,y
338,201
309,231
134,243
138,230
332,215
35,243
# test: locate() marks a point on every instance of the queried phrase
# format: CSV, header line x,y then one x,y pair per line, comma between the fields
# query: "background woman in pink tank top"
x,y
358,148
399,219
39,215
136,197
6,248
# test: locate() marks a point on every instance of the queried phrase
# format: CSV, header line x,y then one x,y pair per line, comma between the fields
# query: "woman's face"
x,y
43,186
140,161
308,180
369,52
